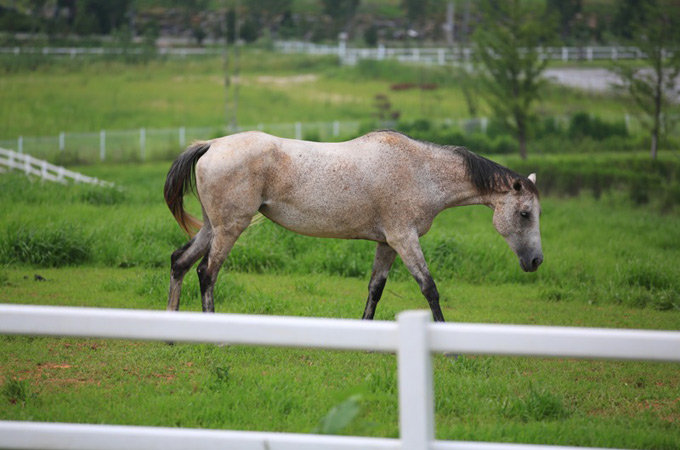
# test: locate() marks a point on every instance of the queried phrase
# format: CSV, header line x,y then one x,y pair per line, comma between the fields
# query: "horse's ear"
x,y
532,177
517,185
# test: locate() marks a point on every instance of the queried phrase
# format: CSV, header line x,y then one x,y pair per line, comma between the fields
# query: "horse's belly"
x,y
345,223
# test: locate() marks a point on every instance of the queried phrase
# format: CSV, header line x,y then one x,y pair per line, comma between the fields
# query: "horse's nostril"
x,y
537,262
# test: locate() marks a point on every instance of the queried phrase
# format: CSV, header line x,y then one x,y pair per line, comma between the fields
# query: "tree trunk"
x,y
521,136
523,147
658,100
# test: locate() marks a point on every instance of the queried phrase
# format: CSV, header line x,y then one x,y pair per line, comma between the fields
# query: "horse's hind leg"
x,y
384,257
182,260
223,239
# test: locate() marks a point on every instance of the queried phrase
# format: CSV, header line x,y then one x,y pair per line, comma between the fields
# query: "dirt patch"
x,y
285,81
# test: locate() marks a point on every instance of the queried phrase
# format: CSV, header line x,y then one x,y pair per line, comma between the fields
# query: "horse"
x,y
384,186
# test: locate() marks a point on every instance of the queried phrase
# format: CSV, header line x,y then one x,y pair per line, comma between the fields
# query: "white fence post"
x,y
102,145
298,130
62,141
182,136
416,395
142,143
20,144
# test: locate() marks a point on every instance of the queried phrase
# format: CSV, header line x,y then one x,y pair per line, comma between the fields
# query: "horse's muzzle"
x,y
531,265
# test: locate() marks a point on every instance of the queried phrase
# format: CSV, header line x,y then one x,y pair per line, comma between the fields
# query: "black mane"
x,y
488,176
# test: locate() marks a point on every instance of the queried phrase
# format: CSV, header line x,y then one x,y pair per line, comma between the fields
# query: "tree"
x,y
657,36
341,12
506,45
100,16
567,13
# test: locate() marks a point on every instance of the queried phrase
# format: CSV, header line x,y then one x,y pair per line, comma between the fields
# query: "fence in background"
x,y
348,55
450,55
44,170
412,337
155,144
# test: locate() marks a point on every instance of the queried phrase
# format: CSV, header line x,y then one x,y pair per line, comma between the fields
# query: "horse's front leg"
x,y
411,254
384,257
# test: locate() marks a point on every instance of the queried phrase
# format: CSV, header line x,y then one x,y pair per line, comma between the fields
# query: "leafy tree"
x,y
506,45
657,35
416,10
100,16
341,12
567,13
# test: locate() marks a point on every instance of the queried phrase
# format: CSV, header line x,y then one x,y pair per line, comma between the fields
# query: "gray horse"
x,y
384,187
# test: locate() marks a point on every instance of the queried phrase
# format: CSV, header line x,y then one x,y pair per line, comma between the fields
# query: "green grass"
x,y
608,264
480,398
89,95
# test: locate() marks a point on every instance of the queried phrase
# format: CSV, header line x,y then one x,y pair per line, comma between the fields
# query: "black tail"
x,y
180,180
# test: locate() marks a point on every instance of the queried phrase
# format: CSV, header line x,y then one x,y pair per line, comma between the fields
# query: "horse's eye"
x,y
525,214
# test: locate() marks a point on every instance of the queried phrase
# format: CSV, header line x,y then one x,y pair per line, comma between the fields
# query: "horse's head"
x,y
516,216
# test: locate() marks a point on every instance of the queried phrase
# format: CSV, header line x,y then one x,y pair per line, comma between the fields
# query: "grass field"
x,y
612,259
608,264
85,96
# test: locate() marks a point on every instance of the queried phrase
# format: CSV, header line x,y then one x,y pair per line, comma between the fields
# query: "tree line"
x,y
576,22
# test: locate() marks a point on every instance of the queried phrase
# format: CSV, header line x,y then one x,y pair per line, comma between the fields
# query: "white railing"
x,y
142,144
412,337
447,55
348,55
46,171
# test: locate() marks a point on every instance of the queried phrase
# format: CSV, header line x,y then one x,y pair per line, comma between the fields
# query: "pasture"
x,y
608,264
610,238
46,96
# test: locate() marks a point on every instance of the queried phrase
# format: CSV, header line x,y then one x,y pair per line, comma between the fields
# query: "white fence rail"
x,y
448,55
160,143
413,337
37,167
348,55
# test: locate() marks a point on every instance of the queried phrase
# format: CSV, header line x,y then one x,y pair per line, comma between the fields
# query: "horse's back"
x,y
342,189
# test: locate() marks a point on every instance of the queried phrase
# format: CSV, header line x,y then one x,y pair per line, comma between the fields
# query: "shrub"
x,y
55,246
583,125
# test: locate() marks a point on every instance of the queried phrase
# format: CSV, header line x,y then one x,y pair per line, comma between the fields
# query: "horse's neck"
x,y
460,191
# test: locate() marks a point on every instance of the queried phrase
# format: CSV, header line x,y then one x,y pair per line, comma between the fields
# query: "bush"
x,y
55,246
583,125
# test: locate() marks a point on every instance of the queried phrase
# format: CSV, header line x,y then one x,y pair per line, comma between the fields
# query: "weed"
x,y
537,405
666,300
15,391
221,377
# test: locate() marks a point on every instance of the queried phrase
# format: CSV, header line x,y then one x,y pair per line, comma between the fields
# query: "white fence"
x,y
46,171
413,337
160,143
348,55
449,55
